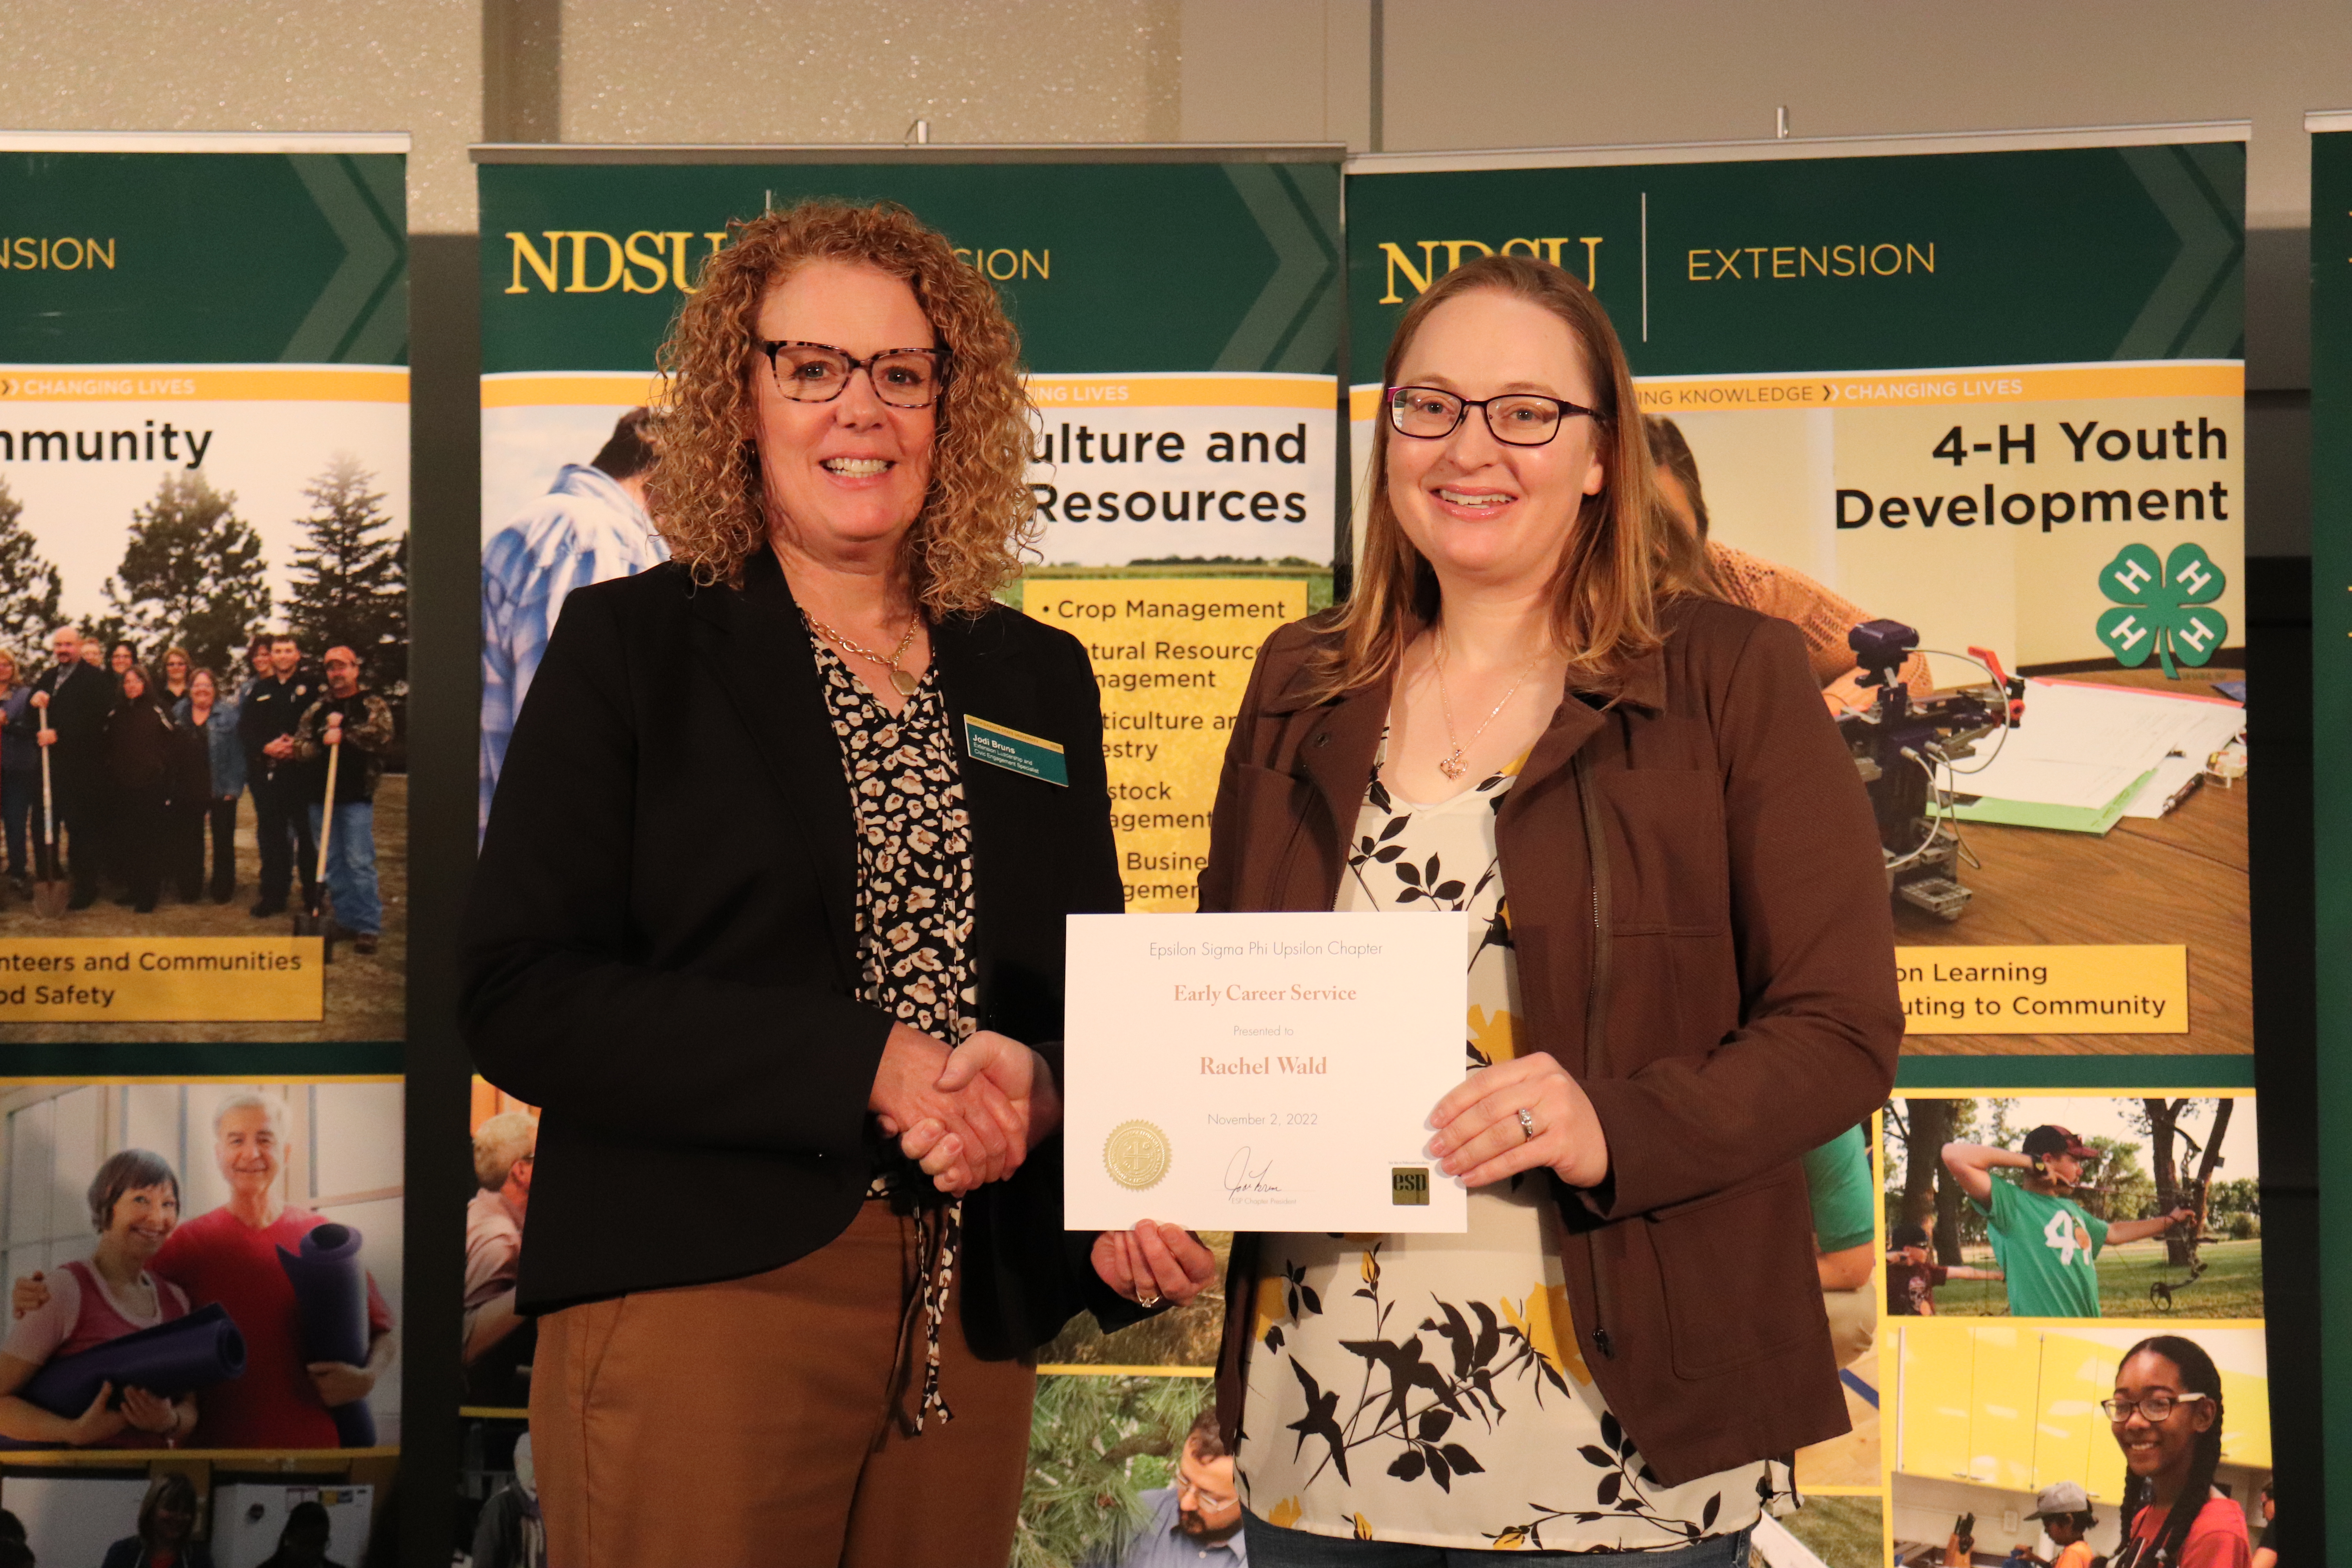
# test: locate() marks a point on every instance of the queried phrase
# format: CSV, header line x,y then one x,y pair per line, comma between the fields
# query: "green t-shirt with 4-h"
x,y
2047,1248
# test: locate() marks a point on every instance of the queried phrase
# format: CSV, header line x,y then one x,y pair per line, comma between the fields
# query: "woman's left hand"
x,y
1154,1264
1482,1138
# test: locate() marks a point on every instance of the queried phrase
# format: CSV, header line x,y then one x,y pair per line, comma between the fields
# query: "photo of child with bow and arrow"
x,y
2080,1207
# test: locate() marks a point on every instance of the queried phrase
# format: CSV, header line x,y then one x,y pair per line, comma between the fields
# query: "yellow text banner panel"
x,y
2051,989
161,979
1172,657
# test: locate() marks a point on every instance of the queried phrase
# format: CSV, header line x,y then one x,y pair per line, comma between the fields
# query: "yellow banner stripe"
x,y
72,384
1081,394
1888,389
607,391
1897,389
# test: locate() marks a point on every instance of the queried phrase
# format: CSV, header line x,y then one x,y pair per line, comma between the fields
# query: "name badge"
x,y
1005,748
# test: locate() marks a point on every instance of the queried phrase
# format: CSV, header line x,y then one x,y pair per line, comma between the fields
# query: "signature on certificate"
x,y
1241,1177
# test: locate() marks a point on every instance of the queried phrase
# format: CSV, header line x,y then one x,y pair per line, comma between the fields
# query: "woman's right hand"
x,y
148,1412
990,1132
31,1294
97,1422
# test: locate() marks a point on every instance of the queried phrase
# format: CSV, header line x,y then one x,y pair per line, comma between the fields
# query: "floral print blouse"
x,y
1430,1388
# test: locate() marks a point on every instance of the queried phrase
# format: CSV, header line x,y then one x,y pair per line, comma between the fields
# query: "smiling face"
x,y
1477,508
132,684
175,1521
854,471
2161,1449
142,1218
248,1147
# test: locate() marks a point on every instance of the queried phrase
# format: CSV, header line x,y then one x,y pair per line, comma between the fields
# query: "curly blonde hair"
x,y
704,489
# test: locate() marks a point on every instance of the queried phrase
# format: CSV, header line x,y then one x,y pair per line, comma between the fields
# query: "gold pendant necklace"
x,y
903,682
1452,765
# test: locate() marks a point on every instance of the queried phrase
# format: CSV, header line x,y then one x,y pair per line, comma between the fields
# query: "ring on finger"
x,y
1144,1298
1527,1123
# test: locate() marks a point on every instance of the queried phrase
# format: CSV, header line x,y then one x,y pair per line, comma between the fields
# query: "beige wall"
x,y
863,70
1460,73
231,65
1487,73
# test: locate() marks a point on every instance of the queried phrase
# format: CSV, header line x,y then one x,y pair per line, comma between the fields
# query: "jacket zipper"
x,y
1596,1014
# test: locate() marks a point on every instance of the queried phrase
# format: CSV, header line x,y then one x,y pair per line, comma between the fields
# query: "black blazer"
x,y
658,950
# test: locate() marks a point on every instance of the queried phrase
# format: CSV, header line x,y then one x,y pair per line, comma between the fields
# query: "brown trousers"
x,y
752,1424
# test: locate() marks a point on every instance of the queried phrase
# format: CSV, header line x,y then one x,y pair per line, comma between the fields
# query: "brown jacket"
x,y
1741,1010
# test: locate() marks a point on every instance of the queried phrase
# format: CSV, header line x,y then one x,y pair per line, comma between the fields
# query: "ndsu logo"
x,y
1549,247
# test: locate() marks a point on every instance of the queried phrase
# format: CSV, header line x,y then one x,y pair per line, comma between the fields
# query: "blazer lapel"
x,y
754,642
1332,745
974,675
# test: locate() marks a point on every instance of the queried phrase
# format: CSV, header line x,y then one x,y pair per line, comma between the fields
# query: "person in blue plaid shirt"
x,y
588,527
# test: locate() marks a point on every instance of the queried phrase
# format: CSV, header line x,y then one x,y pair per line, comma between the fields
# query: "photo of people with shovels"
x,y
157,782
352,719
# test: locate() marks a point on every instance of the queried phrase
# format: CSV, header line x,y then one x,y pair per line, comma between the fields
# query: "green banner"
x,y
204,257
2331,635
1104,267
1992,392
1855,263
204,671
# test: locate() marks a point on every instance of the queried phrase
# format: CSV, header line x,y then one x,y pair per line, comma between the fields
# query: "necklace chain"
x,y
1452,765
900,680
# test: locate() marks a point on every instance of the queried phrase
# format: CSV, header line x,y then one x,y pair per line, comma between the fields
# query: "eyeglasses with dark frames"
x,y
2156,1409
1516,419
819,373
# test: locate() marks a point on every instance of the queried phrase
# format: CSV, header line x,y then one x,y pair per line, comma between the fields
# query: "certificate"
x,y
1261,1071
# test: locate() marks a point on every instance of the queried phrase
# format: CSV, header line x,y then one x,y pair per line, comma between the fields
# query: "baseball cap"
x,y
1908,1236
2058,1140
2059,1500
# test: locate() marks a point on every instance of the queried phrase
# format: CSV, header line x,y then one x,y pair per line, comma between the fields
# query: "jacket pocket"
x,y
1669,867
1737,1271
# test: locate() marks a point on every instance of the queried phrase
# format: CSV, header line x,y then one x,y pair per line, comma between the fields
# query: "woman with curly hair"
x,y
776,945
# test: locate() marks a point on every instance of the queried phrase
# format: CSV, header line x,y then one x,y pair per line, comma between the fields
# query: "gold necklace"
x,y
903,682
1453,766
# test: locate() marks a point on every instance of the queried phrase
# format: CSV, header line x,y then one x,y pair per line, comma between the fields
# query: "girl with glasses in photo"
x,y
2166,1416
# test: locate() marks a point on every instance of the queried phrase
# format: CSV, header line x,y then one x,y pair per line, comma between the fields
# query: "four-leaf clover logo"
x,y
2169,608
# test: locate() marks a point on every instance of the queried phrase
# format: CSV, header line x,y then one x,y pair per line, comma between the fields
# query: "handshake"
x,y
967,1116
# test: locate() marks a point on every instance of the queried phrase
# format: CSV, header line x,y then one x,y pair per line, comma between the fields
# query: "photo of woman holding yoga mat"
x,y
258,1323
134,1204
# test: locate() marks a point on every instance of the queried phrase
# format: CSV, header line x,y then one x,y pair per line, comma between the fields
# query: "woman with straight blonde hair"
x,y
781,959
1681,971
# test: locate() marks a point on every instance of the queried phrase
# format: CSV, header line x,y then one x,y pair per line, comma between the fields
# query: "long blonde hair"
x,y
1625,556
704,489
